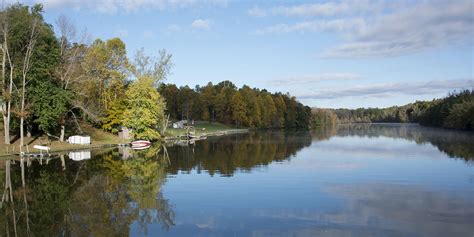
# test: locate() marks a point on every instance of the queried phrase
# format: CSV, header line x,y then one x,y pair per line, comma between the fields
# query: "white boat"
x,y
140,144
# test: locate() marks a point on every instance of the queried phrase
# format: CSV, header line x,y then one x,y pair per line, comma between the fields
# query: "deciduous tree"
x,y
144,110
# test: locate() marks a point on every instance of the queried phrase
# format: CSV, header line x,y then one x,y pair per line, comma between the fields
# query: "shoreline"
x,y
60,150
210,134
66,147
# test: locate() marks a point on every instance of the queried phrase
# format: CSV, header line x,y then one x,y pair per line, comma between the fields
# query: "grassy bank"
x,y
203,128
99,138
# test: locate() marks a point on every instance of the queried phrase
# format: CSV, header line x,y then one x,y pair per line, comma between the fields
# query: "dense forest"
x,y
454,111
225,103
51,82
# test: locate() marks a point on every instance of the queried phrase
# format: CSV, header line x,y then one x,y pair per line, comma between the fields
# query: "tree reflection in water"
x,y
238,152
456,144
102,196
118,188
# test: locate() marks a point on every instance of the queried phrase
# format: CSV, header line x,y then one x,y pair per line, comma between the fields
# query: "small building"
x,y
180,124
125,133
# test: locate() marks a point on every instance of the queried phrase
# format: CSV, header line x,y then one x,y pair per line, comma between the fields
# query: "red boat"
x,y
140,144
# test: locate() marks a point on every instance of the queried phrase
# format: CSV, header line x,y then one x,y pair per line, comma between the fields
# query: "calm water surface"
x,y
353,180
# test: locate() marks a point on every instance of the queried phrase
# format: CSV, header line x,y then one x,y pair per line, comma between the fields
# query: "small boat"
x,y
40,154
140,144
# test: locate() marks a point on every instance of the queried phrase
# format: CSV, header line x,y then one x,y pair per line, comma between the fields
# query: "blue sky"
x,y
362,53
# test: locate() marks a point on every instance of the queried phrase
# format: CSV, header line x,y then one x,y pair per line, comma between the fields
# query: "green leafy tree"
x,y
145,109
170,93
50,103
114,118
29,54
106,69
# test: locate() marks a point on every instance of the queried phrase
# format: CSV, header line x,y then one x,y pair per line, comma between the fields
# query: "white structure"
x,y
42,148
180,124
79,155
83,140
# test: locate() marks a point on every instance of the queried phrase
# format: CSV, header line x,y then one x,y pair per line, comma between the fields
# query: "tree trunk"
x,y
22,134
6,121
25,70
22,116
6,129
63,129
6,105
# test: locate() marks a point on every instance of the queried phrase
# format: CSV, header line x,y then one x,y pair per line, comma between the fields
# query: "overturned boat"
x,y
140,144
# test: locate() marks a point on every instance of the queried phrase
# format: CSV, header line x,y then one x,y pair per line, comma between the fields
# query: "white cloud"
x,y
304,79
391,89
114,6
391,28
201,24
314,10
337,25
411,30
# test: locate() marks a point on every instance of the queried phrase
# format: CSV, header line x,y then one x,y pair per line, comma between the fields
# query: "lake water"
x,y
352,180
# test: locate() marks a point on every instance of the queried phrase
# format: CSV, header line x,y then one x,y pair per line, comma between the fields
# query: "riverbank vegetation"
x,y
323,117
203,129
51,83
227,104
454,111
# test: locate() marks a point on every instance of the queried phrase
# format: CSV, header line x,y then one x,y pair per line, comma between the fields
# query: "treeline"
x,y
49,82
454,111
394,114
225,103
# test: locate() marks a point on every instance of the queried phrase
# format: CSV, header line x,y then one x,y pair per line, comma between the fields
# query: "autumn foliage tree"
x,y
144,109
238,109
